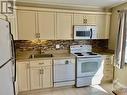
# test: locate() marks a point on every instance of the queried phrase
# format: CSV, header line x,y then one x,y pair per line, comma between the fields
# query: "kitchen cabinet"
x,y
40,74
26,22
47,77
103,26
84,19
58,24
108,68
35,78
46,25
102,22
64,26
23,76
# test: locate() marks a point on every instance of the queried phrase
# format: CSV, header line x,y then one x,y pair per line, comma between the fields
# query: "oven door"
x,y
89,66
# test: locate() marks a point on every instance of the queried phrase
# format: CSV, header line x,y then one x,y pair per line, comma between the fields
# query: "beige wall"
x,y
114,25
120,74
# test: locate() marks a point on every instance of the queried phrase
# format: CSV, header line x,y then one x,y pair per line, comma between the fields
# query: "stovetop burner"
x,y
79,54
85,54
91,53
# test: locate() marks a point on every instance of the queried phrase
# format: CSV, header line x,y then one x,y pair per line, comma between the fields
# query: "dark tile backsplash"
x,y
64,44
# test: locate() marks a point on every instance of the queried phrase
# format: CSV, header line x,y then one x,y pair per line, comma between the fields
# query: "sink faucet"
x,y
40,50
37,49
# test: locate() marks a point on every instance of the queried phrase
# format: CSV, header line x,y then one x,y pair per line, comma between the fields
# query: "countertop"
x,y
105,52
24,56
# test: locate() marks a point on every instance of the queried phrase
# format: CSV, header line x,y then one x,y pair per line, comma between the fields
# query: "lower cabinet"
x,y
47,77
40,74
33,75
108,68
22,69
35,78
40,77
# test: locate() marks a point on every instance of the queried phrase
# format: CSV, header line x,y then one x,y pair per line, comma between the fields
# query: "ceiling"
x,y
81,3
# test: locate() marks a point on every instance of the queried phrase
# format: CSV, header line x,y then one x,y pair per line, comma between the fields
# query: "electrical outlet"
x,y
57,46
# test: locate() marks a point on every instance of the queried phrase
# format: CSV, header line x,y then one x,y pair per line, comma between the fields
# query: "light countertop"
x,y
24,56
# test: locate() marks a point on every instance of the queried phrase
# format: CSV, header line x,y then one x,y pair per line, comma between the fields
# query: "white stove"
x,y
89,65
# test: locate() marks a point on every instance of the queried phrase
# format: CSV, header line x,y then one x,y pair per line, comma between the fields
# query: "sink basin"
x,y
40,55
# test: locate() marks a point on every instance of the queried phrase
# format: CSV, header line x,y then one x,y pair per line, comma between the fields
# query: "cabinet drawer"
x,y
39,63
108,72
108,66
108,59
107,78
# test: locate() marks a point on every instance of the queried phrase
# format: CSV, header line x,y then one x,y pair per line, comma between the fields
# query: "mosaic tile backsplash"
x,y
25,45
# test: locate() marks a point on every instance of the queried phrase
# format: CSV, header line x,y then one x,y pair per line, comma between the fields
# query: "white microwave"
x,y
85,32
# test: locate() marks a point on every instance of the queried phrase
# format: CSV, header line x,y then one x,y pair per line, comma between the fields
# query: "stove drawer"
x,y
86,81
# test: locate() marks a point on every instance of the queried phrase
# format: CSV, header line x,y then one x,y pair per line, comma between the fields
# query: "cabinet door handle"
x,y
37,35
41,63
40,71
84,20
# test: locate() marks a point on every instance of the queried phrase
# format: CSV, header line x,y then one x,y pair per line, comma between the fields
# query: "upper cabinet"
x,y
84,19
103,26
26,21
102,22
46,25
57,24
64,26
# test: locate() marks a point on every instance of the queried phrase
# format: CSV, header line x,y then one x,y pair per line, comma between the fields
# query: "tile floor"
x,y
104,89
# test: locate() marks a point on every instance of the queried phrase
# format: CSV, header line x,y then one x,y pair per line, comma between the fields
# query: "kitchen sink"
x,y
40,55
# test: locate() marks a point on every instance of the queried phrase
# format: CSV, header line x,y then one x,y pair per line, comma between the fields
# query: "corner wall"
x,y
114,25
120,74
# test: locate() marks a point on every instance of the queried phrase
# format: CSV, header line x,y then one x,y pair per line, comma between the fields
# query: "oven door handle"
x,y
89,58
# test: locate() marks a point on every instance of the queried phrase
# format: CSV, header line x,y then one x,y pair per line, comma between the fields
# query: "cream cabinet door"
x,y
23,76
64,26
35,78
46,25
108,68
26,22
84,19
103,25
47,77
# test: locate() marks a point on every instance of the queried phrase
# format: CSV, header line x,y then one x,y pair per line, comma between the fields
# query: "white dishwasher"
x,y
64,72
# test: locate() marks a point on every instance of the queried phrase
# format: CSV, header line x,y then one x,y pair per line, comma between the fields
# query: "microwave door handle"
x,y
91,33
